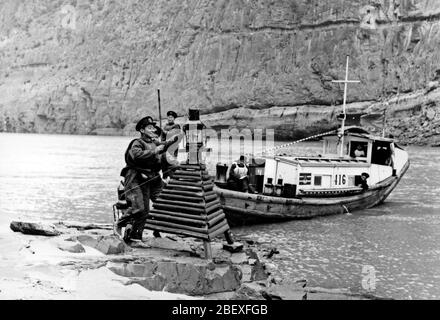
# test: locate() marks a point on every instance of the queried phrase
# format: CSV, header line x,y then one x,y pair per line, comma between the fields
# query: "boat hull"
x,y
247,209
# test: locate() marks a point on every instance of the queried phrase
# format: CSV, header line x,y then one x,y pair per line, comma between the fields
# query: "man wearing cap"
x,y
363,183
171,126
169,131
142,179
238,175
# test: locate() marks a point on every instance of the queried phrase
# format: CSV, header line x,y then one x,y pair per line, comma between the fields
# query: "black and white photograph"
x,y
219,151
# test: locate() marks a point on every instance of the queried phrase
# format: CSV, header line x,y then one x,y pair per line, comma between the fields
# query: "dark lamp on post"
x,y
194,137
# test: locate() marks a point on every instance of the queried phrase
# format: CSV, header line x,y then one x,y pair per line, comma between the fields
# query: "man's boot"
x,y
128,233
136,235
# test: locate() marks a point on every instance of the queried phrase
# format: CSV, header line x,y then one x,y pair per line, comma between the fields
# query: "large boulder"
x,y
109,244
34,228
198,278
250,291
69,246
136,270
168,244
86,240
293,291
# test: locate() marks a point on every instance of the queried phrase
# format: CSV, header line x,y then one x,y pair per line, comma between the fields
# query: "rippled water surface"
x,y
75,178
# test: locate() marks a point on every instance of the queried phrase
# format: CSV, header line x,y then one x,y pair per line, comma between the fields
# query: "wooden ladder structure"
x,y
189,206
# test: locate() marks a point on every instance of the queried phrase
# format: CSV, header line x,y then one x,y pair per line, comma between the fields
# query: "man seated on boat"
x,y
383,155
238,176
359,152
363,183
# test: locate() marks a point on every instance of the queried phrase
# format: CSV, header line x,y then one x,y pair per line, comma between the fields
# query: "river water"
x,y
392,250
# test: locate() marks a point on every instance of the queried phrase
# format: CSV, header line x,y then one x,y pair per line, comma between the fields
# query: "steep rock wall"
x,y
93,66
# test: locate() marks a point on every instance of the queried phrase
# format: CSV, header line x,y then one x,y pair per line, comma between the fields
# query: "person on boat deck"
x,y
359,152
383,156
363,184
142,180
238,176
170,131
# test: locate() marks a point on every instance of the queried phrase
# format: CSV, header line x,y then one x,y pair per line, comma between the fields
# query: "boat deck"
x,y
330,192
323,161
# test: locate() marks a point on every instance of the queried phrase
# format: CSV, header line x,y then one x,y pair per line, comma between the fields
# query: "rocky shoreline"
x,y
86,261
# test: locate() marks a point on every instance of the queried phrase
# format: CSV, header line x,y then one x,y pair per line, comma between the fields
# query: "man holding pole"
x,y
171,131
142,179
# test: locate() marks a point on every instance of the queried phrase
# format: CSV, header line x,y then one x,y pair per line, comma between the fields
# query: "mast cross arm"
x,y
346,81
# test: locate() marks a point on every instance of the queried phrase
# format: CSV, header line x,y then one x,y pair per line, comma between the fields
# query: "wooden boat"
x,y
331,188
323,185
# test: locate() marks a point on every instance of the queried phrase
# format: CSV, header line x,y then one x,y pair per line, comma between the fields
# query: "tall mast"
x,y
345,82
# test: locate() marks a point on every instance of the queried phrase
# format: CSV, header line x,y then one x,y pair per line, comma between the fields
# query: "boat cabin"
x,y
330,173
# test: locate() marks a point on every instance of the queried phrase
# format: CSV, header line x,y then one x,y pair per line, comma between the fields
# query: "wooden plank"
x,y
189,173
211,209
187,182
218,231
217,226
177,197
192,179
212,202
208,187
215,214
177,208
185,178
193,166
210,198
216,219
174,182
210,193
194,174
180,214
177,231
183,193
178,226
176,219
181,203
185,188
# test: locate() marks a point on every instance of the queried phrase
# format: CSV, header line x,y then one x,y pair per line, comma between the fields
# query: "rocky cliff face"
x,y
93,66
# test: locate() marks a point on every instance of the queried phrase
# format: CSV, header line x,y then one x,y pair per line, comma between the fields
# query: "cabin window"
x,y
305,179
317,180
331,147
358,149
381,153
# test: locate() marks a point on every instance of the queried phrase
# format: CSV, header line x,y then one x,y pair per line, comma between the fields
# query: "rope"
x,y
260,153
145,182
294,142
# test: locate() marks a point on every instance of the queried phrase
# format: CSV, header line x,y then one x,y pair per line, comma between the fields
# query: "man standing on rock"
x,y
142,179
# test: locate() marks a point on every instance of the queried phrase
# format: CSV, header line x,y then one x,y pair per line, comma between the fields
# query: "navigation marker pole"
x,y
160,111
345,82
